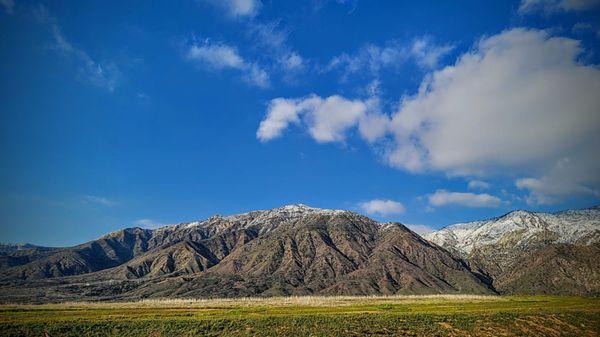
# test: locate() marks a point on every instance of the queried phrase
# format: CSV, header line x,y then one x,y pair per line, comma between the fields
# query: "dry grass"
x,y
289,301
334,316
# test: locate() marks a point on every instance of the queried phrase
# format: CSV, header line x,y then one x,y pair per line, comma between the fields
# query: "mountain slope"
x,y
108,251
20,254
527,252
294,249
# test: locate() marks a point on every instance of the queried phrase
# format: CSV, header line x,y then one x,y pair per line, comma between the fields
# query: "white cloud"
x,y
220,56
280,113
217,56
564,180
553,6
92,199
382,207
374,59
271,39
478,185
326,119
420,229
9,6
269,35
238,8
516,104
292,61
331,117
102,74
148,223
582,27
446,198
370,58
427,54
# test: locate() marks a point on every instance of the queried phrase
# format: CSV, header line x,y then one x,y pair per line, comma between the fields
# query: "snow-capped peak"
x,y
523,227
264,219
296,207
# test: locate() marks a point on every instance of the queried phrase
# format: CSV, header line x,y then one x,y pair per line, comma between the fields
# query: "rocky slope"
x,y
20,254
294,249
527,252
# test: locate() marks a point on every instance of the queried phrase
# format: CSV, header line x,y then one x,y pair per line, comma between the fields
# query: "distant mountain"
x,y
11,248
528,252
294,249
12,255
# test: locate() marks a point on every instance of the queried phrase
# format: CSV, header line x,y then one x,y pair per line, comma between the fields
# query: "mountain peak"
x,y
522,228
296,207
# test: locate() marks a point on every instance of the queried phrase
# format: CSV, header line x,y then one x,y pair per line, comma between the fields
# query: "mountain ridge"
x,y
298,250
509,250
291,250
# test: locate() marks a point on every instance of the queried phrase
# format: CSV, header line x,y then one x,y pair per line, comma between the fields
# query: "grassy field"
x,y
312,316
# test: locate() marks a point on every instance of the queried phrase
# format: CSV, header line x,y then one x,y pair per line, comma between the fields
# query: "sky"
x,y
117,114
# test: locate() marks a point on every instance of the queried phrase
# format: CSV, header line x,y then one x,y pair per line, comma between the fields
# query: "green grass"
x,y
312,316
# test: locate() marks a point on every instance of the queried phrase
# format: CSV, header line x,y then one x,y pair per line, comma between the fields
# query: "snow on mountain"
x,y
7,248
264,220
574,227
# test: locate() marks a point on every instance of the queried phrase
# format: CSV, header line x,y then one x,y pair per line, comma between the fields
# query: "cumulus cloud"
x,y
148,223
518,102
281,113
219,56
478,185
382,207
446,198
553,6
238,8
102,74
326,119
103,201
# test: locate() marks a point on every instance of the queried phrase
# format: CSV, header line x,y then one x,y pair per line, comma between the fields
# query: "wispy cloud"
x,y
269,38
105,75
428,54
554,6
373,59
447,198
478,185
238,8
565,179
420,229
383,207
582,27
148,223
272,40
220,56
97,200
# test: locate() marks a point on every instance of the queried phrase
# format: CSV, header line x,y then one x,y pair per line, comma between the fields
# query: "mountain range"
x,y
299,250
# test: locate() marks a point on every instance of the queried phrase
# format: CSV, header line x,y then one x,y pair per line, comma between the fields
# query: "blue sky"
x,y
137,113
